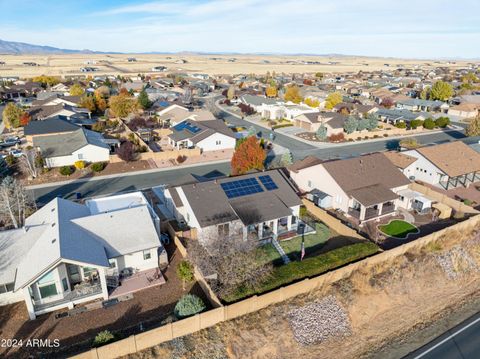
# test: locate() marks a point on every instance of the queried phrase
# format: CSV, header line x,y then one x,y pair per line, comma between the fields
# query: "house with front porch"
x,y
259,206
363,188
69,253
448,165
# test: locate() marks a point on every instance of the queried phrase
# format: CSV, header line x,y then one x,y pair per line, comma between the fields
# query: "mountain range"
x,y
20,48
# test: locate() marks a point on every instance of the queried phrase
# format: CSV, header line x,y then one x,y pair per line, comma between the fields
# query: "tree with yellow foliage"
x,y
46,80
271,91
76,90
333,99
293,94
311,102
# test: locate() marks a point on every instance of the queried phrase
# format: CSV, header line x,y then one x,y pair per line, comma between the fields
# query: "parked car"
x,y
10,141
16,153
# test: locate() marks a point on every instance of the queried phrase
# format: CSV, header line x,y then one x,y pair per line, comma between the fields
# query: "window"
x,y
80,156
48,290
146,255
10,287
88,271
65,284
46,278
223,230
310,184
113,263
218,142
4,288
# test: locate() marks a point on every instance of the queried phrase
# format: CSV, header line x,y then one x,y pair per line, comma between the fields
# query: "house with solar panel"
x,y
259,206
210,135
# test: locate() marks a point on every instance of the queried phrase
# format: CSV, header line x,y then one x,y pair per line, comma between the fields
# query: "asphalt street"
x,y
460,342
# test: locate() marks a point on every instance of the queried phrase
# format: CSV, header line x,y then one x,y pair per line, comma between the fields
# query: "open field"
x,y
114,64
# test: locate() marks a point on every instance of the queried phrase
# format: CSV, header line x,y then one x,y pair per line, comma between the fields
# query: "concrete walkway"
x,y
280,250
407,216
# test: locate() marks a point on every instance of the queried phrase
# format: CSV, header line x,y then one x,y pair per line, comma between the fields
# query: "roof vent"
x,y
53,209
53,224
54,240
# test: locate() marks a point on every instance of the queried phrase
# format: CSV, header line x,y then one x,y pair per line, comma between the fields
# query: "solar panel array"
x,y
241,188
268,182
187,126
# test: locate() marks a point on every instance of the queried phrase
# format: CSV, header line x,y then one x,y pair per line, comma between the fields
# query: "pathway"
x,y
408,217
280,250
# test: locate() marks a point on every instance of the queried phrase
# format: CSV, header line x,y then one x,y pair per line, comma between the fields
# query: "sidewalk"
x,y
127,174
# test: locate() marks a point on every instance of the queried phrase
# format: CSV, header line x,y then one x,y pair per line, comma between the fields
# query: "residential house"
x,y
69,253
64,149
207,135
416,104
55,99
395,116
333,121
464,110
447,165
51,126
70,112
258,206
363,188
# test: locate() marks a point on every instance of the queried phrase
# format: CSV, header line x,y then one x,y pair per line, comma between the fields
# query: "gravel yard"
x,y
456,262
319,321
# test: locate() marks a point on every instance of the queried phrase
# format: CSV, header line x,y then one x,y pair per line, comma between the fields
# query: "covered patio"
x,y
372,202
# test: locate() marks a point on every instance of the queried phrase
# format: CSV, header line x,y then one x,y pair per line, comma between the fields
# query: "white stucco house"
x,y
363,188
210,135
69,253
64,149
447,165
258,206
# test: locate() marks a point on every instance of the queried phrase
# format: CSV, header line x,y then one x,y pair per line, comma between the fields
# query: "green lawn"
x,y
309,267
313,242
398,228
267,253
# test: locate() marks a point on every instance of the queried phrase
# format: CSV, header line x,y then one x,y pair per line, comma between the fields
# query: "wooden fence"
x,y
138,342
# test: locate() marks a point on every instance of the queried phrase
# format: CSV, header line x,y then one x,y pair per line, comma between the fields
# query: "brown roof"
x,y
453,158
355,173
308,161
466,107
373,194
399,159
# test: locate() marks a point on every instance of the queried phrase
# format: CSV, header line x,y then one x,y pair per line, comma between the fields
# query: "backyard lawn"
x,y
398,228
313,242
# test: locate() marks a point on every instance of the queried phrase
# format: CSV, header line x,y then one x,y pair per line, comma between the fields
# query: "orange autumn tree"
x,y
248,156
25,119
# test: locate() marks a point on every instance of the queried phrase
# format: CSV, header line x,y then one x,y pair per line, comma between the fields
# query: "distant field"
x,y
67,65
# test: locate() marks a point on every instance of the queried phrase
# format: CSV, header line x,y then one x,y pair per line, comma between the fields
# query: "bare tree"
x,y
235,262
31,162
210,106
187,96
15,205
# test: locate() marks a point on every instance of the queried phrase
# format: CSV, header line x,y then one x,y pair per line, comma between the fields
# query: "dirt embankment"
x,y
381,311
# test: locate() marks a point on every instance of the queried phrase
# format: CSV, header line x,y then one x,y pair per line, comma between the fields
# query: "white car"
x,y
16,153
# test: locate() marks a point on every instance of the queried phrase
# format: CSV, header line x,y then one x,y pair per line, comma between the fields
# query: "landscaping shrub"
x,y
103,338
99,126
10,160
282,125
188,305
142,149
246,109
385,135
66,170
442,122
337,137
126,151
79,165
416,123
181,158
429,124
98,166
401,124
185,272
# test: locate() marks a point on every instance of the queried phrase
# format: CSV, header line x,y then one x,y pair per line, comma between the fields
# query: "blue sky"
x,y
407,28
